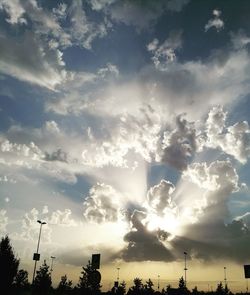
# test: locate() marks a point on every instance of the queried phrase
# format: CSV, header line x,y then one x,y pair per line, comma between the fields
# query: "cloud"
x,y
103,204
159,196
3,221
245,219
215,241
109,69
30,60
141,15
233,140
58,155
14,10
164,54
30,226
83,31
218,176
142,244
179,145
215,22
62,218
239,39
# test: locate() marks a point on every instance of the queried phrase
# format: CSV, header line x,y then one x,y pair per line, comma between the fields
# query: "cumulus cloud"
x,y
30,226
179,145
62,218
142,244
233,140
159,196
14,10
215,22
164,54
82,30
103,204
217,176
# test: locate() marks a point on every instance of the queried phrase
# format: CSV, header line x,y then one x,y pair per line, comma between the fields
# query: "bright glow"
x,y
168,223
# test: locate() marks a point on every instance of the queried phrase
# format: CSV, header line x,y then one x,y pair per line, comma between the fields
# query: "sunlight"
x,y
168,223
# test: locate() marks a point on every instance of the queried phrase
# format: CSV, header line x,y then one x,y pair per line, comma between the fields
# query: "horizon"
x,y
124,126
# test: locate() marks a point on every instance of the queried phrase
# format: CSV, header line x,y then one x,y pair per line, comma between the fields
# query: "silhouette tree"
x,y
121,290
9,265
168,287
195,291
86,284
148,288
42,282
220,289
137,288
226,290
21,281
64,286
182,286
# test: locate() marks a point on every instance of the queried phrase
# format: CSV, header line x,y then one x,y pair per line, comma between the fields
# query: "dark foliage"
x,y
9,265
42,282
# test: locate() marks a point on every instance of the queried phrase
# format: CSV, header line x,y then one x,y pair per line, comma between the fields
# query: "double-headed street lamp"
x,y
36,255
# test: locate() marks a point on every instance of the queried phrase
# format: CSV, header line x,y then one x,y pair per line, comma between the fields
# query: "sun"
x,y
168,222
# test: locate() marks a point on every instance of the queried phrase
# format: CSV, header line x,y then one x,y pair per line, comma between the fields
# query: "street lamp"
x,y
185,267
36,255
158,282
118,271
225,276
52,260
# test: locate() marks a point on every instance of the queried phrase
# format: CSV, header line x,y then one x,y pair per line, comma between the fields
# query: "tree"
x,y
149,287
220,289
42,282
121,290
195,291
182,286
64,286
86,284
21,280
137,288
226,289
9,265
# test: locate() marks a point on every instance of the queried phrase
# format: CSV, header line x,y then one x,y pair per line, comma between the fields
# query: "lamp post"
x,y
158,282
52,260
36,256
225,276
118,272
185,268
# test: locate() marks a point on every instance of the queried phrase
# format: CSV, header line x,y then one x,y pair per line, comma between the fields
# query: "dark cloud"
x,y
58,155
215,241
179,145
142,244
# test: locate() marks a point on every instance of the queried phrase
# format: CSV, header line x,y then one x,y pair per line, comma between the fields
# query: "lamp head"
x,y
41,222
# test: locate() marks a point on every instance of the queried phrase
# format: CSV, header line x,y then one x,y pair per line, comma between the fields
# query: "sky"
x,y
124,126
